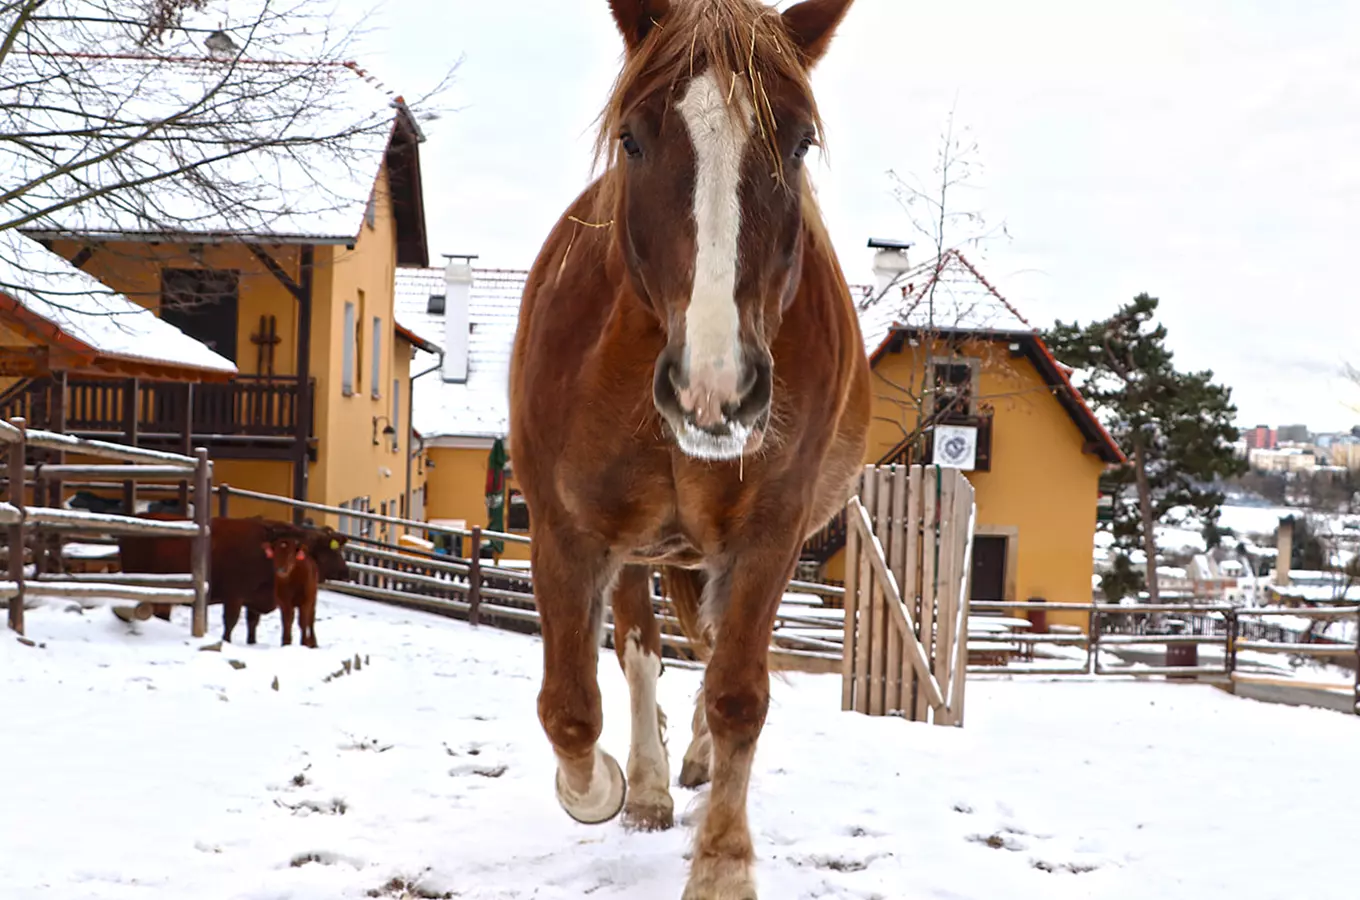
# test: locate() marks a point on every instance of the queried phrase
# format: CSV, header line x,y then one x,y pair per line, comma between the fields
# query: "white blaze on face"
x,y
712,347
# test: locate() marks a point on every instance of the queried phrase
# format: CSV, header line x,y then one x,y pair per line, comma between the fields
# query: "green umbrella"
x,y
495,491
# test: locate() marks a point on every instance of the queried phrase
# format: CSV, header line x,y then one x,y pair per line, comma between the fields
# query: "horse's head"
x,y
709,124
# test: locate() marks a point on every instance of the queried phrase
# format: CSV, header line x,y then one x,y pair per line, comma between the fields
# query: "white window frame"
x,y
376,371
347,354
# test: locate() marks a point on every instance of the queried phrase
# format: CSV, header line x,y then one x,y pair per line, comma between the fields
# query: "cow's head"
x,y
284,548
326,547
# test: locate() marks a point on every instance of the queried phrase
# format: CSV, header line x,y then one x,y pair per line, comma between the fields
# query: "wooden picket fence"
x,y
908,554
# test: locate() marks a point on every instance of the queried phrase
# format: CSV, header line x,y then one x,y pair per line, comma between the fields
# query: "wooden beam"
x,y
303,407
81,258
297,290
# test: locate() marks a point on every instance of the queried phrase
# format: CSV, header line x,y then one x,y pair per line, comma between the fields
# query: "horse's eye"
x,y
802,149
630,145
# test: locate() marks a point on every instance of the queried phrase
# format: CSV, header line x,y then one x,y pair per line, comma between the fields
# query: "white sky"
x,y
1207,157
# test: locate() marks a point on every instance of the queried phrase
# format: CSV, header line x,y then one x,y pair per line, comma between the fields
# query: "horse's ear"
x,y
812,24
636,18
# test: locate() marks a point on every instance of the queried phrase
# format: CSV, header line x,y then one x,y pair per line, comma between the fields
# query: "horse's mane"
x,y
736,39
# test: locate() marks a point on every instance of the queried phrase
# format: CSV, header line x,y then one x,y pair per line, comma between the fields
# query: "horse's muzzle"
x,y
712,417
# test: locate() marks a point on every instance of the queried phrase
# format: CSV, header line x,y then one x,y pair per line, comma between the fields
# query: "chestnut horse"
x,y
688,390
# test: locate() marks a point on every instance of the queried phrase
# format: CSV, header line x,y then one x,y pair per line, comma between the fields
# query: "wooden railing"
x,y
35,531
248,406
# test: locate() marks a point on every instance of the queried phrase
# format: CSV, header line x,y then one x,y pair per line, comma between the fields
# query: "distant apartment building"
x,y
1346,455
1262,437
1293,434
1287,459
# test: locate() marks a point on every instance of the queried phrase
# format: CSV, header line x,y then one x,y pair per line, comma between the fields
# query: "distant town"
x,y
1293,448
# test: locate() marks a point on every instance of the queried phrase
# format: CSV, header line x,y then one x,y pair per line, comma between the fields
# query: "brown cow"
x,y
242,573
296,592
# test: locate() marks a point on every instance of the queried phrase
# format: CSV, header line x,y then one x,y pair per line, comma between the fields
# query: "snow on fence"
x,y
906,593
466,585
37,531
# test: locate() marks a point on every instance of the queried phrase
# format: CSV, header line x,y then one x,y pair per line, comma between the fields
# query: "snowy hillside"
x,y
142,767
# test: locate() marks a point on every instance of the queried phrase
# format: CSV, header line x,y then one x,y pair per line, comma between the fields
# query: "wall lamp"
x,y
388,431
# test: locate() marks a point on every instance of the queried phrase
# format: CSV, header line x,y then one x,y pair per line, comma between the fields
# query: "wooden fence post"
x,y
1230,651
475,576
1357,661
202,543
223,497
16,529
849,645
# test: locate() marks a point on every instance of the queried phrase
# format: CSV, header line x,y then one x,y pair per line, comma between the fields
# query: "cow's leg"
x,y
571,574
637,641
694,768
286,619
231,612
307,621
252,622
736,698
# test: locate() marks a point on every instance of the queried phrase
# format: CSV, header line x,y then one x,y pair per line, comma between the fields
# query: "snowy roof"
x,y
46,295
285,150
479,407
944,294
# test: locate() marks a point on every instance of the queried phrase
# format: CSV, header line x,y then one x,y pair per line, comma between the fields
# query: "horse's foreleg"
x,y
637,641
569,582
694,769
736,697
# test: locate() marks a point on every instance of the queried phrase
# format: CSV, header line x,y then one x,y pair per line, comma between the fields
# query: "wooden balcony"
x,y
248,418
831,538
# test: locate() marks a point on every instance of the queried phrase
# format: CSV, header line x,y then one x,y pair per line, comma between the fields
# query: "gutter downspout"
x,y
410,425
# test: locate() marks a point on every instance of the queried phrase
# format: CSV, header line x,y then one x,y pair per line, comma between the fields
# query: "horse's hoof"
x,y
649,813
720,879
605,798
693,773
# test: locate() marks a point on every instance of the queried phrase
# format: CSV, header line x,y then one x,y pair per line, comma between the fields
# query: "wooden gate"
x,y
908,548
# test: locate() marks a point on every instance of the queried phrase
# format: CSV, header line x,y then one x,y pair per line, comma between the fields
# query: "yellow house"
x,y
296,293
960,378
461,392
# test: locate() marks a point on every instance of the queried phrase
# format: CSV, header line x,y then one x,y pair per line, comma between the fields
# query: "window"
x,y
203,303
358,328
347,376
517,517
955,387
435,306
396,413
371,211
375,379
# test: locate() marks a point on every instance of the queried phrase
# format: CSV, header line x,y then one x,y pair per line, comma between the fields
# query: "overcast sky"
x,y
1210,158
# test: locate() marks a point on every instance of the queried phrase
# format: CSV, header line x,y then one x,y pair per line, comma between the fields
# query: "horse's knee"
x,y
736,713
572,719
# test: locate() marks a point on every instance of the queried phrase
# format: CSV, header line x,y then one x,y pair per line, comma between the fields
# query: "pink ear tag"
x,y
301,555
268,551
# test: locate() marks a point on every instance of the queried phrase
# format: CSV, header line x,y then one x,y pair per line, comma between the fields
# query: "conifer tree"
x,y
1175,427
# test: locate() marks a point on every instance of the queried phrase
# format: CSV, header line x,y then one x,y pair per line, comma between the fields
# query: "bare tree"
x,y
944,296
127,119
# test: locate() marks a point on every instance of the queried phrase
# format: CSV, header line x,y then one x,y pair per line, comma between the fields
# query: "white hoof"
x,y
605,797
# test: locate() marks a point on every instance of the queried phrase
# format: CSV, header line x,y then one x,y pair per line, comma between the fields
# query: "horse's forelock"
x,y
744,42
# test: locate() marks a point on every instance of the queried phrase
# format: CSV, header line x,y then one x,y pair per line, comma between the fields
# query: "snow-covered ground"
x,y
138,766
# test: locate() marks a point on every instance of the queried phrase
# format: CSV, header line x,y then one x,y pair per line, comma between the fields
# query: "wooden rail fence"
x,y
36,525
906,593
478,590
